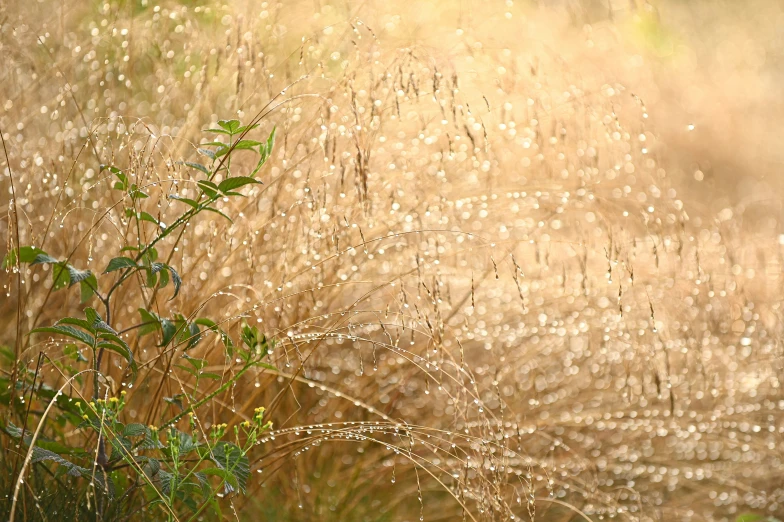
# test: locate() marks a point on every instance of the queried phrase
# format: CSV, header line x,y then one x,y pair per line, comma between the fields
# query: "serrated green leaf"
x,y
44,258
119,263
246,144
226,476
121,350
67,331
207,153
87,288
134,430
60,276
236,182
150,321
26,255
229,125
217,131
168,330
142,216
76,275
176,280
120,175
194,335
163,279
197,166
229,457
210,209
197,364
73,321
136,193
190,202
176,401
208,187
73,352
246,128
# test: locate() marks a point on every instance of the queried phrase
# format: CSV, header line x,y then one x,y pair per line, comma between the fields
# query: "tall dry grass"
x,y
500,291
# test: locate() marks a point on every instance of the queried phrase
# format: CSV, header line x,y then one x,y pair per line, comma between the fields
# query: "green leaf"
x,y
60,276
207,153
43,258
142,216
229,125
135,193
163,279
197,364
73,352
151,467
176,280
187,201
235,182
194,335
224,475
67,331
246,144
176,401
230,458
217,131
209,188
134,430
265,151
210,209
150,321
81,323
87,288
123,183
271,140
212,325
168,330
222,151
197,166
123,351
118,263
246,128
26,255
76,275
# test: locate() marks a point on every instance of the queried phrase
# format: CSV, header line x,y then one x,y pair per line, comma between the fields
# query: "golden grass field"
x,y
522,259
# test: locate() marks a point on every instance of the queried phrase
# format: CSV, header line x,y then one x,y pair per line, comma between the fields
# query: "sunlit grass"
x,y
496,291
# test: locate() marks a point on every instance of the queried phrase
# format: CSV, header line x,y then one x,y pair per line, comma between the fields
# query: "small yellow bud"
x,y
85,416
123,393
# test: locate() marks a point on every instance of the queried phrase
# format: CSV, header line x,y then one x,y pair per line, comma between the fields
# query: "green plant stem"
x,y
223,388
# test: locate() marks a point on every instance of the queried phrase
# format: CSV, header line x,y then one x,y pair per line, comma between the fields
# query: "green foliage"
x,y
182,466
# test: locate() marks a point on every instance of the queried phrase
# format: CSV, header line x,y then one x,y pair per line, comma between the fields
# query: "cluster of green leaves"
x,y
169,466
92,332
63,273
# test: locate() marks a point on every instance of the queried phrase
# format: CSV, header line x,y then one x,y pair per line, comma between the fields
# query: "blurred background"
x,y
616,162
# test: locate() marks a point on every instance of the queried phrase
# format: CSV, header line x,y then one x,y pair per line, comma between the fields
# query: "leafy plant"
x,y
182,462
